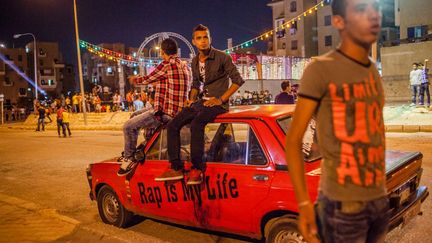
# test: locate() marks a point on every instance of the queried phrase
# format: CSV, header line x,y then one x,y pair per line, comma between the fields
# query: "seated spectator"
x,y
137,103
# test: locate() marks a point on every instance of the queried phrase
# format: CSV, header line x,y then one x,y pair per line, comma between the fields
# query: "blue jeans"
x,y
415,89
41,121
353,221
145,119
424,90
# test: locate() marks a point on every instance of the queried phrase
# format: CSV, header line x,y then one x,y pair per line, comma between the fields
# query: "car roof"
x,y
258,111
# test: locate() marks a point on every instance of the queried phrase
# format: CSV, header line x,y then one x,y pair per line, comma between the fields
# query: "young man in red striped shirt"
x,y
171,80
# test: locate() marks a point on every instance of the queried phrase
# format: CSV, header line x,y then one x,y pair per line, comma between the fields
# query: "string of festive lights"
x,y
286,25
129,60
133,60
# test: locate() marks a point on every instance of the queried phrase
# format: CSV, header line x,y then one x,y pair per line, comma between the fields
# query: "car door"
x,y
237,178
160,199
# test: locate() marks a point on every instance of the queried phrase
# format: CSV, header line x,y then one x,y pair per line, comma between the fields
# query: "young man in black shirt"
x,y
212,69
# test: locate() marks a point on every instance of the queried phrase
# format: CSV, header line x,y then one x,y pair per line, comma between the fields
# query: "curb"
x,y
388,128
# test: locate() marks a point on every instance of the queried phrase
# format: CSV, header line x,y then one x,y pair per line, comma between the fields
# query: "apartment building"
x,y
13,86
310,36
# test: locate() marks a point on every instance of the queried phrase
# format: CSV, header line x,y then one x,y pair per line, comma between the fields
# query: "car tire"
x,y
110,208
283,229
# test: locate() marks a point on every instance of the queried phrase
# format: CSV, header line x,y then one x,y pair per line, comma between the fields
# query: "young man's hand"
x,y
213,101
307,224
188,103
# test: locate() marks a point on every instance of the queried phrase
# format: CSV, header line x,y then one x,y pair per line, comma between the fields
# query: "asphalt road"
x,y
50,171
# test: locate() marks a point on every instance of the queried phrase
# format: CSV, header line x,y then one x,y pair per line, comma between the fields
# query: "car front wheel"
x,y
283,229
110,208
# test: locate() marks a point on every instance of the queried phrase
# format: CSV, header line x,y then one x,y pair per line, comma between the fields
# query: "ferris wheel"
x,y
161,36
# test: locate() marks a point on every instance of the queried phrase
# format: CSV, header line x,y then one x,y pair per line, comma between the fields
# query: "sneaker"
x,y
195,177
126,167
413,104
170,175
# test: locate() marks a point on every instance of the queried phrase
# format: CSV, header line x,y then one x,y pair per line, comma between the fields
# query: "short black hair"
x,y
200,27
169,46
339,7
285,84
414,63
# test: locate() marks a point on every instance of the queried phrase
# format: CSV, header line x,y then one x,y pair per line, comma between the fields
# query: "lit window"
x,y
109,71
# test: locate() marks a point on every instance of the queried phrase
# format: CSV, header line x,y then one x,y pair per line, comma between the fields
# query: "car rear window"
x,y
310,147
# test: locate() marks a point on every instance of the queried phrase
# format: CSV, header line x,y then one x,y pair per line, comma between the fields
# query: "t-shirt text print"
x,y
350,125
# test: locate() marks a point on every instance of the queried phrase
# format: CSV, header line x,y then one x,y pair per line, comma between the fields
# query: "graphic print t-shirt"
x,y
202,71
350,126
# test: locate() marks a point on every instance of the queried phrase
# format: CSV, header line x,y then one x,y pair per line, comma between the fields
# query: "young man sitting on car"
x,y
171,80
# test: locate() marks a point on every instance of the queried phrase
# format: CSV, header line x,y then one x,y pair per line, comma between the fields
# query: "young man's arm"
x,y
192,97
302,115
236,80
157,74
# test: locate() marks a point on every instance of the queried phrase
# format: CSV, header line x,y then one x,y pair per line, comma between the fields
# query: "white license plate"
x,y
411,213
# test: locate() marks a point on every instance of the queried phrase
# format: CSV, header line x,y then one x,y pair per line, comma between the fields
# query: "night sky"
x,y
130,21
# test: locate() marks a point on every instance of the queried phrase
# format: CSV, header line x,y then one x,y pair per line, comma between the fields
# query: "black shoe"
x,y
126,167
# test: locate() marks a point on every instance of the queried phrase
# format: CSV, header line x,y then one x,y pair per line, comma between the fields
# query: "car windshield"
x,y
310,147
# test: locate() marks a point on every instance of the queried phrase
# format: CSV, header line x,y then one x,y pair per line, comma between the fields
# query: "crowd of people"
x,y
44,111
252,98
288,95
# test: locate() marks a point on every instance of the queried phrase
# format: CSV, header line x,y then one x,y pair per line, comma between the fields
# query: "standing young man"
x,y
415,82
286,96
171,79
424,86
344,91
211,68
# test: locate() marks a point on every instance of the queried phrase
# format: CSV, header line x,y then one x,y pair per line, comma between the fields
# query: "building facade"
x,y
310,36
13,86
50,66
111,75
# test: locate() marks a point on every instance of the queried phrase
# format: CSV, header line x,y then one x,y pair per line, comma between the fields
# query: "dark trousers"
x,y
355,221
60,125
198,116
424,90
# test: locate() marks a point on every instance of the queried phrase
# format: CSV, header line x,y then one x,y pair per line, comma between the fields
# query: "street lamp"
x,y
35,60
80,73
151,49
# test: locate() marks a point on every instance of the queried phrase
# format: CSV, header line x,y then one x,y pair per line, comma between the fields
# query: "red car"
x,y
247,189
